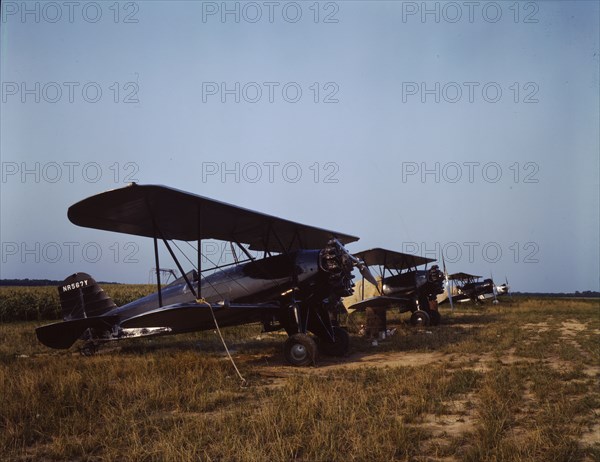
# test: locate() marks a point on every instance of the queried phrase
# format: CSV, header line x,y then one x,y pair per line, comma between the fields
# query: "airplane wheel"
x,y
420,319
434,317
300,350
341,345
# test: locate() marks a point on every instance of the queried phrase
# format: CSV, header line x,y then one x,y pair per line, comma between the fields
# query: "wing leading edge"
x,y
163,212
391,259
462,276
380,301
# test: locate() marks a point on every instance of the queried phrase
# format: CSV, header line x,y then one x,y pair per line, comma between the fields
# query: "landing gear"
x,y
434,317
339,347
420,319
300,350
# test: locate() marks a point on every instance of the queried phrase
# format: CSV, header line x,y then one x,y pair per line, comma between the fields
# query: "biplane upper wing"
x,y
391,259
163,212
462,276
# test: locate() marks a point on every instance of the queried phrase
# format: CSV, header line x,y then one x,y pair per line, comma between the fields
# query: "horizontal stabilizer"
x,y
379,302
62,335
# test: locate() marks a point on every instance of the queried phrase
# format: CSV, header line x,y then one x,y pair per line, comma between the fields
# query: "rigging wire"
x,y
235,281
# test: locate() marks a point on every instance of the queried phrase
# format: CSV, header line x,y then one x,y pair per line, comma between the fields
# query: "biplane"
x,y
464,287
296,284
400,285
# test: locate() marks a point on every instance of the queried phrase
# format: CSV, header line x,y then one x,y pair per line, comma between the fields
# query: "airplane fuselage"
x,y
256,280
417,285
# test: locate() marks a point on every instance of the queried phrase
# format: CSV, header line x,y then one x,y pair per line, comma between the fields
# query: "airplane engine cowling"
x,y
487,287
337,263
435,281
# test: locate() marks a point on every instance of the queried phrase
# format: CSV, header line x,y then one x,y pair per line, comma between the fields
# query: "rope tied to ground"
x,y
212,312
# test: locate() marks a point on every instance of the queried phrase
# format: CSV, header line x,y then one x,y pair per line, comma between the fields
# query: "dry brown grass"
x,y
516,382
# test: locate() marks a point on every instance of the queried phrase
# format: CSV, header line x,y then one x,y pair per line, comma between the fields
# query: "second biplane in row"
x,y
464,287
400,285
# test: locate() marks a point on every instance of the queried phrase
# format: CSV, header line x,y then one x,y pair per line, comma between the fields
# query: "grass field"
x,y
41,303
513,382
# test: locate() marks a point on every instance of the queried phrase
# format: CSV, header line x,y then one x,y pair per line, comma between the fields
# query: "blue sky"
x,y
469,129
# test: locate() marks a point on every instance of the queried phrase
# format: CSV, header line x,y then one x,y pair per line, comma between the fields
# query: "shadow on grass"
x,y
200,346
470,319
267,349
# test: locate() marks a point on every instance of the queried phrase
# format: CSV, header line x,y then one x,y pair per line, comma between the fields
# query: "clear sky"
x,y
468,128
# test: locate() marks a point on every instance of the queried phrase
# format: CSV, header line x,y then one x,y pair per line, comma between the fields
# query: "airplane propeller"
x,y
504,289
364,270
448,288
362,267
494,290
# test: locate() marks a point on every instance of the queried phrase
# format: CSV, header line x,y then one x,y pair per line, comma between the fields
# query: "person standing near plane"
x,y
376,324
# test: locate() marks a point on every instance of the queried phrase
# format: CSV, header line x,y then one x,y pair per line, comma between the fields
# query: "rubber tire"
x,y
341,345
420,318
434,317
300,350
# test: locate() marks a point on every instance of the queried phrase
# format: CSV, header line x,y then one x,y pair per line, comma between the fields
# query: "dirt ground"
x,y
462,418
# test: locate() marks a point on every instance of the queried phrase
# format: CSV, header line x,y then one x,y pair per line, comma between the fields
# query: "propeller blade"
x,y
494,291
448,288
366,273
364,269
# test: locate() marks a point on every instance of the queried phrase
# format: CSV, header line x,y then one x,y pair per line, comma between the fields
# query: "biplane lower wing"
x,y
380,302
63,335
185,317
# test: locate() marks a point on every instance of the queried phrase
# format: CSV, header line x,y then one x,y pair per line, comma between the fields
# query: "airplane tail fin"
x,y
84,305
81,297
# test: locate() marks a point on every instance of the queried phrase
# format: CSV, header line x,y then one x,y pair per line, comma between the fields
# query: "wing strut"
x,y
266,241
158,232
199,229
283,249
245,251
179,267
160,303
296,236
